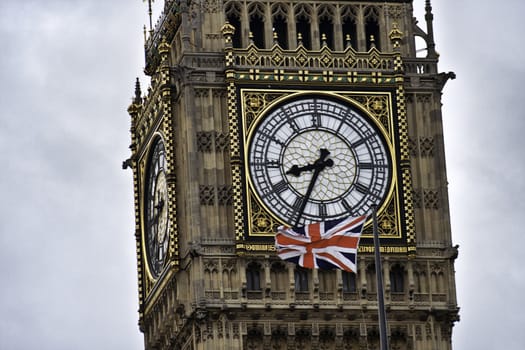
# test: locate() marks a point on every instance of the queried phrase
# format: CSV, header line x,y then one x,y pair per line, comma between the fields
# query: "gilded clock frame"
x,y
255,102
151,282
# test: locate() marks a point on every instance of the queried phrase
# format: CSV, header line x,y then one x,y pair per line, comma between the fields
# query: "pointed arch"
x,y
280,24
372,27
303,17
349,25
233,12
326,15
397,279
257,19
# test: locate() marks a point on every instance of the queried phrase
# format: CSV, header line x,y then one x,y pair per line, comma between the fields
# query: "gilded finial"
x,y
250,37
395,34
164,47
299,39
275,38
227,29
323,39
372,41
348,40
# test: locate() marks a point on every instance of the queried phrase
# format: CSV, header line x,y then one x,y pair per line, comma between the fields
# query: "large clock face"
x,y
156,210
316,158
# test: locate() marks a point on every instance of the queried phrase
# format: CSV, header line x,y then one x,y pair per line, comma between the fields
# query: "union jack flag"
x,y
323,245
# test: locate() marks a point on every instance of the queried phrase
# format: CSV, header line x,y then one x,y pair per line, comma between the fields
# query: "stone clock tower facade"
x,y
269,113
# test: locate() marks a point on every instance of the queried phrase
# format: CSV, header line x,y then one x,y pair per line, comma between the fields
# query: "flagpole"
x,y
383,339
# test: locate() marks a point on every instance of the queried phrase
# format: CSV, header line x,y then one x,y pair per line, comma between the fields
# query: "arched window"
x,y
371,278
421,282
256,13
301,279
278,276
327,284
233,15
397,279
349,20
349,285
372,27
326,25
280,25
253,276
279,280
302,19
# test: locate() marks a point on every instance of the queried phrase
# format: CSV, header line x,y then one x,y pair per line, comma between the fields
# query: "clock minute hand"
x,y
317,167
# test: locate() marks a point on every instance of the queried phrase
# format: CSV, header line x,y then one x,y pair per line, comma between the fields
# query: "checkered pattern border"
x,y
235,154
169,140
406,176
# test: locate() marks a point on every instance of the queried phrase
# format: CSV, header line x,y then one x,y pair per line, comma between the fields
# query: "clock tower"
x,y
268,113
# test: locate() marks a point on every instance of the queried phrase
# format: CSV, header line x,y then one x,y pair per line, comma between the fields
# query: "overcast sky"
x,y
67,251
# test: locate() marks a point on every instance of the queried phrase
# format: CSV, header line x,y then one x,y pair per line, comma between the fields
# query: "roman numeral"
x,y
322,210
358,143
281,186
316,120
297,204
361,141
272,164
276,140
370,166
361,188
365,165
347,206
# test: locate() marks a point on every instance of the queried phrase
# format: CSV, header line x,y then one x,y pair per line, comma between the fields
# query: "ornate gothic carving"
x,y
209,141
431,198
208,194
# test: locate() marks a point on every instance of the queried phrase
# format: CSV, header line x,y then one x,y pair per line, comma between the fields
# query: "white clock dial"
x,y
354,175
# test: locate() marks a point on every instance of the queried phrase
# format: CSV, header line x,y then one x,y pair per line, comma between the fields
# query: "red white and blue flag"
x,y
322,245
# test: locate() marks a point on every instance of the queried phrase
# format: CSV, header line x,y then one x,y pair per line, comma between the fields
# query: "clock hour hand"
x,y
295,170
317,167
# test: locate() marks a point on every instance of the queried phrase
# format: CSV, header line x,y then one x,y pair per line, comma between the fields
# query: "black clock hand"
x,y
317,167
296,170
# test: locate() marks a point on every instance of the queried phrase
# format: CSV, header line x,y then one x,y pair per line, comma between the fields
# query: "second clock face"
x,y
156,210
317,158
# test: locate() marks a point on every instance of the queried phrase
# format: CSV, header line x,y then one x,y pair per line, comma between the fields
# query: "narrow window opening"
x,y
253,277
236,23
350,32
326,29
397,279
281,29
301,280
349,285
371,278
326,26
257,29
233,16
303,28
372,33
277,273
